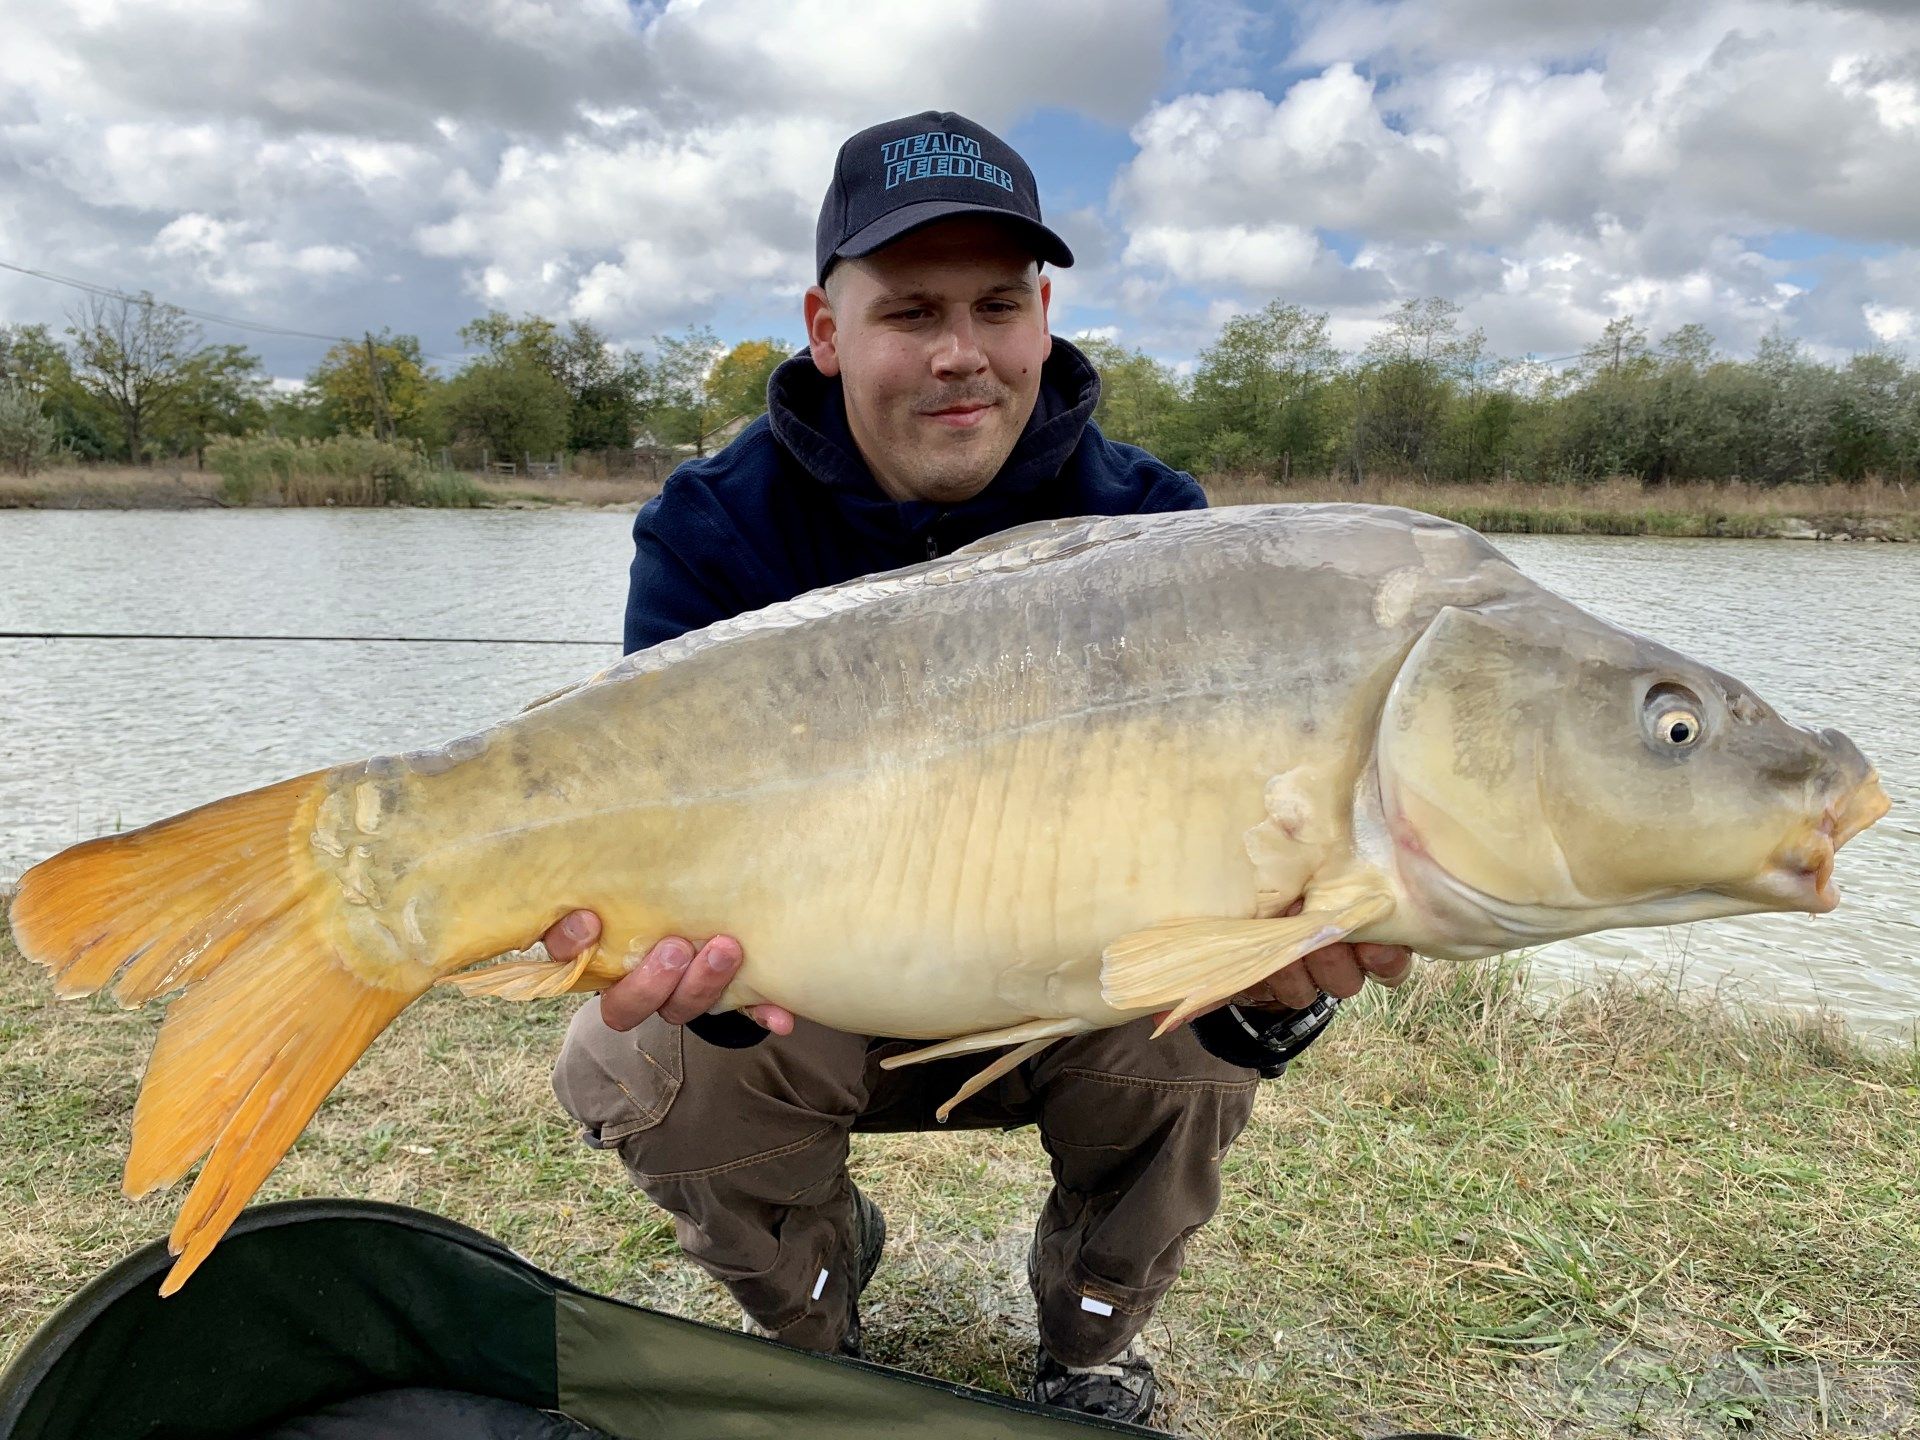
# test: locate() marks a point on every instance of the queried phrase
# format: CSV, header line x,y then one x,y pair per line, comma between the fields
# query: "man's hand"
x,y
673,982
1338,969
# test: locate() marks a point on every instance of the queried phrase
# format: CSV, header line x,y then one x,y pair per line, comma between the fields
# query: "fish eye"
x,y
1672,715
1678,727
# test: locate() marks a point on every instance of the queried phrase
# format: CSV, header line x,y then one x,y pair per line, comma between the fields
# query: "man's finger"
x,y
571,934
641,992
1292,988
1335,970
703,981
773,1018
1387,964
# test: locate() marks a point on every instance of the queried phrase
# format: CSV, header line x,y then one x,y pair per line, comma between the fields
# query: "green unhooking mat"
x,y
351,1320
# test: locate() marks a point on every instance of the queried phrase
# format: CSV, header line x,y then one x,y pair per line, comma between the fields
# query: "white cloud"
x,y
1544,162
1322,155
635,230
1547,163
229,260
1271,257
634,164
1892,324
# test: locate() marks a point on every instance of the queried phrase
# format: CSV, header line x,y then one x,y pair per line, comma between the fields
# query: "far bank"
x,y
1725,510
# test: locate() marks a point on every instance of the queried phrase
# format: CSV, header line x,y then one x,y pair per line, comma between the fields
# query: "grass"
x,y
1619,1213
111,487
1869,510
340,470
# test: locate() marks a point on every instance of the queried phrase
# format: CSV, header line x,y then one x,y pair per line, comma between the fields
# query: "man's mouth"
x,y
961,416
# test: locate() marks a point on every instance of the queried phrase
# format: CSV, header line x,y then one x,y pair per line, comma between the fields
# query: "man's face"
x,y
938,340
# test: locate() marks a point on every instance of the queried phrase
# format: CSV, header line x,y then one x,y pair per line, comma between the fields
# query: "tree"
x,y
31,358
382,394
604,386
132,356
1409,374
1800,403
1876,418
1263,380
1140,399
737,387
296,415
1620,351
222,392
27,434
695,390
511,405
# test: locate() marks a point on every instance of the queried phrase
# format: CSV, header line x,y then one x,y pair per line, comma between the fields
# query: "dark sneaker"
x,y
1122,1389
869,1239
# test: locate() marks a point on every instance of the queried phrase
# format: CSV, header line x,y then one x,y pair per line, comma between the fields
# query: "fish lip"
x,y
1800,874
1865,805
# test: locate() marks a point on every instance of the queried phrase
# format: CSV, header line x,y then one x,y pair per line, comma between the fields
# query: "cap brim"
x,y
890,227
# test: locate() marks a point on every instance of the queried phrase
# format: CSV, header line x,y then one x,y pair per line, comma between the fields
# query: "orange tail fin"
x,y
226,902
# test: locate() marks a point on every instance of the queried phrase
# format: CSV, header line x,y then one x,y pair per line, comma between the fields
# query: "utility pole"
x,y
383,417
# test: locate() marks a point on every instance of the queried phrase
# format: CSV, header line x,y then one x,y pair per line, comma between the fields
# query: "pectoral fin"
x,y
1191,964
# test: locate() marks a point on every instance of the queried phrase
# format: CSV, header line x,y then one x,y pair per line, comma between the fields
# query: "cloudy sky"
x,y
338,165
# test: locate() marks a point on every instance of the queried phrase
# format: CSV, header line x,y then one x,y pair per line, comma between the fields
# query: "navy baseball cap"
x,y
896,177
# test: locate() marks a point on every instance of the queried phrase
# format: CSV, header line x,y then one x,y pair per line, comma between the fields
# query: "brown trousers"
x,y
747,1149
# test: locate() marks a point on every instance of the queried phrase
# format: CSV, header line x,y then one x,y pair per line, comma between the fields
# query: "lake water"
x,y
98,734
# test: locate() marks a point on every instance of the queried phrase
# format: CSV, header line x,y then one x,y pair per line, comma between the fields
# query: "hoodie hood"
x,y
808,415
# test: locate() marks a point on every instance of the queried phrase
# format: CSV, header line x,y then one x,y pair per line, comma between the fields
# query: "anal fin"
x,y
1019,1055
1191,964
1028,1039
992,1040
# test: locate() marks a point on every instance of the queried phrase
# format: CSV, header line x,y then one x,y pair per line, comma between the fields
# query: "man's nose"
x,y
959,353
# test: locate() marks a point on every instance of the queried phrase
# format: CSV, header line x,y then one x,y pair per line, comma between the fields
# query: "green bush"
x,y
339,470
27,434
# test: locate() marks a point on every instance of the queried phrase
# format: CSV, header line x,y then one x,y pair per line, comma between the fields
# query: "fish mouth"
x,y
1800,874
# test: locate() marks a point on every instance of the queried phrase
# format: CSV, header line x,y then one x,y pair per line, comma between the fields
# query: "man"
x,y
932,408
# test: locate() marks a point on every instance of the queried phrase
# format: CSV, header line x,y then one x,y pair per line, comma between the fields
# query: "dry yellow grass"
x,y
1869,510
1619,506
1618,1214
111,487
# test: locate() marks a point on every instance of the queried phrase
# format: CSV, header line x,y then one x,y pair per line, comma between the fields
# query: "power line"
x,y
285,639
255,327
146,299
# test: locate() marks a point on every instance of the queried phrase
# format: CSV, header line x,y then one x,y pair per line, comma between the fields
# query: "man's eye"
x,y
916,313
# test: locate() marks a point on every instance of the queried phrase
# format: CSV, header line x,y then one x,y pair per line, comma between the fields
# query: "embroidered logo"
x,y
939,154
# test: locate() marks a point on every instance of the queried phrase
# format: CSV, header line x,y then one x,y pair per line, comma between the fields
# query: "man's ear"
x,y
822,332
1046,298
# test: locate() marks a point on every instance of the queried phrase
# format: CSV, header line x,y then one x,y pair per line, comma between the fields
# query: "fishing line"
x,y
283,639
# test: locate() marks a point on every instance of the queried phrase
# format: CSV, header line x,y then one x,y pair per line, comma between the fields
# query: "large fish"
x,y
1066,777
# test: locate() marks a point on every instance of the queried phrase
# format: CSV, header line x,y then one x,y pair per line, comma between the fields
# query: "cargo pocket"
x,y
617,1083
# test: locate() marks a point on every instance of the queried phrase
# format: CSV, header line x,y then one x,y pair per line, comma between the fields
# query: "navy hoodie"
x,y
790,506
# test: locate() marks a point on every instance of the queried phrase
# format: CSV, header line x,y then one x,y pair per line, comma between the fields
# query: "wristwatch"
x,y
1263,1040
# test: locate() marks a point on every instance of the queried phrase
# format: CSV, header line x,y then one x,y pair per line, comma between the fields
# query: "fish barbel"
x,y
1063,778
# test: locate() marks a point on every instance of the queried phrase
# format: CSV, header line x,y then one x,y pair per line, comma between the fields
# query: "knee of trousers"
x,y
681,1112
1118,1104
